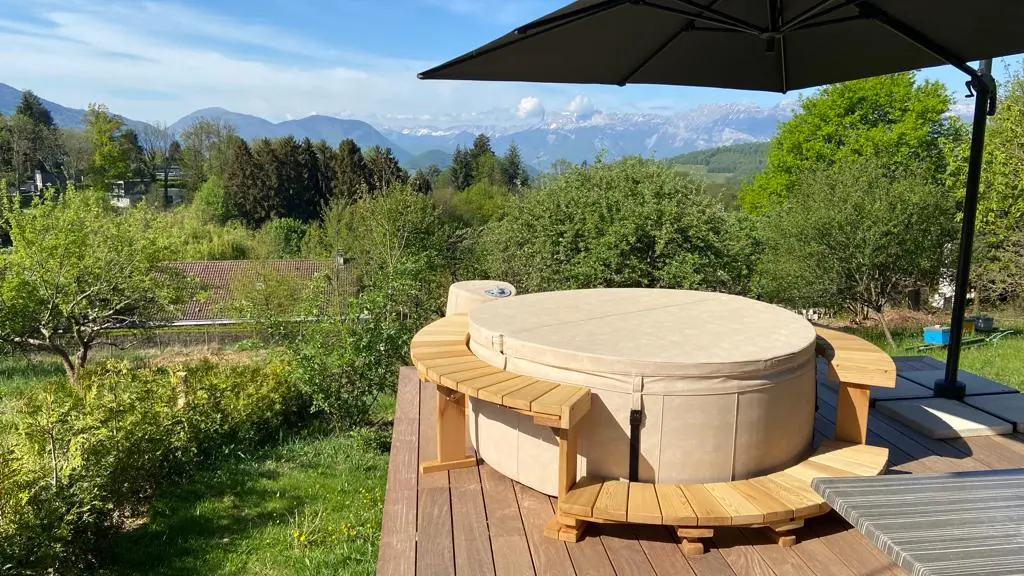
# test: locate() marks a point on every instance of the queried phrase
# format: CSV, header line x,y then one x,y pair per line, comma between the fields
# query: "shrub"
x,y
280,238
79,462
631,223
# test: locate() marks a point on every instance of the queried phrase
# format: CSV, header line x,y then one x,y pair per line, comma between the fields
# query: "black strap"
x,y
635,418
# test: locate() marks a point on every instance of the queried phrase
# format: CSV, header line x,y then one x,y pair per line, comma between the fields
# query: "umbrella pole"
x,y
950,386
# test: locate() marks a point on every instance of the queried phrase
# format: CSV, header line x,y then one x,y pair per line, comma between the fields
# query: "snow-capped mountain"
x,y
582,135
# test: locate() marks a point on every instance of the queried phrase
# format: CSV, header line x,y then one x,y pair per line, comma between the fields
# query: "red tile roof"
x,y
217,278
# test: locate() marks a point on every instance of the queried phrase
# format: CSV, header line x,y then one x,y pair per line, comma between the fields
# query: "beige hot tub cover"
x,y
725,384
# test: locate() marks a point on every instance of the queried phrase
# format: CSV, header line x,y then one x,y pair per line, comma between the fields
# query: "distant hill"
x,y
440,157
332,130
64,117
738,162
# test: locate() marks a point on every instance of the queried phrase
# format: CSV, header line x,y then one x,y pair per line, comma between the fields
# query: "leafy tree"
x,y
853,234
351,175
77,150
384,170
999,262
77,270
209,203
895,119
204,150
134,153
634,222
480,204
31,107
22,144
109,159
513,172
462,168
281,238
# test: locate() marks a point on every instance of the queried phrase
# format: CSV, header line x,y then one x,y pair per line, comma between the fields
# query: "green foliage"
x,y
280,239
853,234
480,204
210,204
351,177
76,270
460,173
895,119
205,145
740,160
383,169
998,270
513,172
633,223
81,461
195,234
110,160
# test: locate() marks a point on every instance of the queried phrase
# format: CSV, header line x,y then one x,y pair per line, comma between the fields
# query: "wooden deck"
x,y
474,521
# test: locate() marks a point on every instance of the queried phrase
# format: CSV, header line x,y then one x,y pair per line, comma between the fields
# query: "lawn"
x,y
311,506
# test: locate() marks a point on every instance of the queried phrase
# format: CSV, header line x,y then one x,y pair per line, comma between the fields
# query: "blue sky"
x,y
280,59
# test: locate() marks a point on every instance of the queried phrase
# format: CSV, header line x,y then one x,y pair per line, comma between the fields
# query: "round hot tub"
x,y
724,385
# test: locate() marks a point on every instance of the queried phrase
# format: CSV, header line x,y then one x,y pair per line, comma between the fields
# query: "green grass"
x,y
309,507
1002,361
18,373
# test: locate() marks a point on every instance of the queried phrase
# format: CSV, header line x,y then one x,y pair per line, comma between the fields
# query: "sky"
x,y
280,59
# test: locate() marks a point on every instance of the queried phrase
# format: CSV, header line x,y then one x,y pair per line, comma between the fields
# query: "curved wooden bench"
x,y
440,352
780,501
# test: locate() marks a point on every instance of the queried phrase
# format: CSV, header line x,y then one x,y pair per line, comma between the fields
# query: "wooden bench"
x,y
780,501
441,354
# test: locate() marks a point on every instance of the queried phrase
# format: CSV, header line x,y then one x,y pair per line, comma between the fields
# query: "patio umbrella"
x,y
769,45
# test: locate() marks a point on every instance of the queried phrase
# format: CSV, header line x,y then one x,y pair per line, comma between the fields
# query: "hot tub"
x,y
725,385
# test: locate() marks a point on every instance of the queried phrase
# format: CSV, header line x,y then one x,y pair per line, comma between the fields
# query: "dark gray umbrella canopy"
x,y
770,45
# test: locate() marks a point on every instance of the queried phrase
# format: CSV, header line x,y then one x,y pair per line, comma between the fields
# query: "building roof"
x,y
218,278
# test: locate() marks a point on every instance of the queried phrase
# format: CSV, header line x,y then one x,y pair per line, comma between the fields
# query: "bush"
x,y
479,204
77,463
635,222
280,239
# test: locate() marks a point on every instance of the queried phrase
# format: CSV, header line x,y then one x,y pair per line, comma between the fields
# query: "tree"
x,y
156,139
31,107
77,270
853,234
326,158
287,167
898,121
204,149
420,182
306,206
513,172
999,264
109,158
481,148
246,193
351,176
461,170
133,152
77,150
634,222
383,169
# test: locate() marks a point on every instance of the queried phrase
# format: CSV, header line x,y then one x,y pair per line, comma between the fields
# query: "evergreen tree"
x,y
307,203
351,177
326,159
481,148
32,108
420,182
288,166
461,170
384,169
513,172
242,194
266,183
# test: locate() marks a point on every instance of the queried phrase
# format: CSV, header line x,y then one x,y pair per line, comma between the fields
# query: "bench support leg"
x,y
690,539
562,527
565,529
451,433
780,532
852,413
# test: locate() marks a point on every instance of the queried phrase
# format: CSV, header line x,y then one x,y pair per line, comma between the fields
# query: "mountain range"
x,y
542,140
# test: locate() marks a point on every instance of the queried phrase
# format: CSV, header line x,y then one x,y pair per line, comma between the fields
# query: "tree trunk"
x,y
81,358
885,328
914,299
69,366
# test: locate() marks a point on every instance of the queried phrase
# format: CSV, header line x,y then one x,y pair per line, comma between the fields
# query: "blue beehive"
x,y
936,335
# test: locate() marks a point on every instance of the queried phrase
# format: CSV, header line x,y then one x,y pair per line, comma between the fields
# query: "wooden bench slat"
x,y
709,512
580,500
497,393
773,509
735,503
675,509
612,501
858,459
474,386
643,505
522,399
453,379
553,401
800,489
800,502
809,470
436,374
857,361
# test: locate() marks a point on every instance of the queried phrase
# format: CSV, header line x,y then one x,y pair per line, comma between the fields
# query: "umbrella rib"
x,y
823,8
697,17
685,28
552,23
774,24
737,23
914,36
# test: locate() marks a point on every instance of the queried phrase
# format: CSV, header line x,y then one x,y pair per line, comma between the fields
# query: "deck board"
x,y
476,521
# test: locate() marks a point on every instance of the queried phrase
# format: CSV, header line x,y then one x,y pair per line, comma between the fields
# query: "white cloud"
x,y
581,105
138,61
530,107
